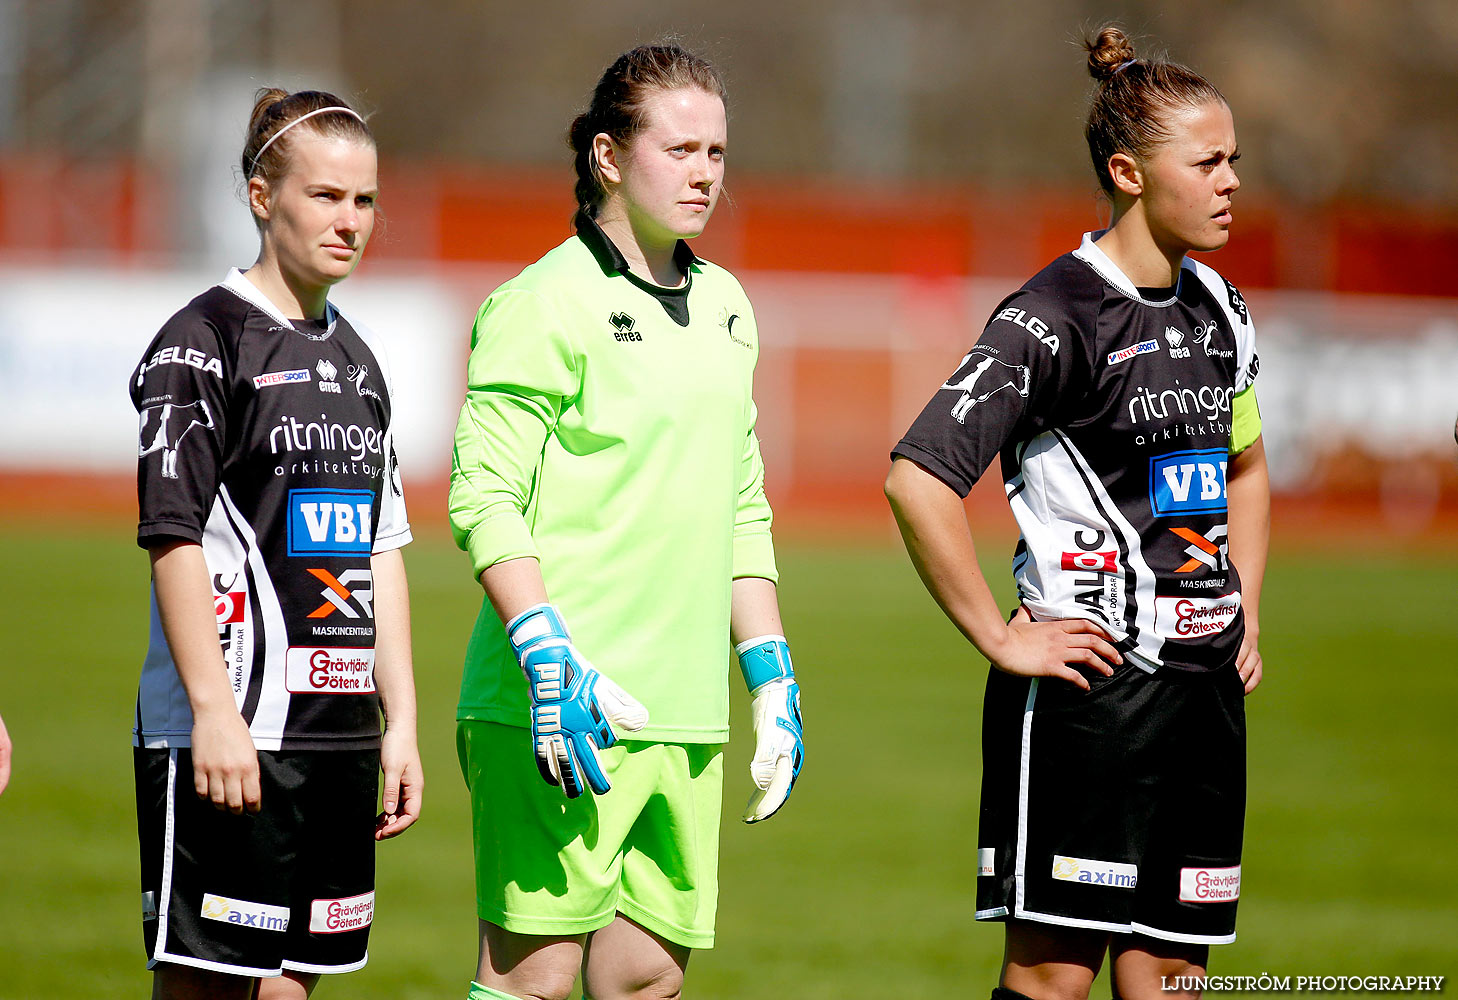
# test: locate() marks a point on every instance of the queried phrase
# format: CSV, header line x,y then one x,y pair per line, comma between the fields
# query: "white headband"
x,y
311,114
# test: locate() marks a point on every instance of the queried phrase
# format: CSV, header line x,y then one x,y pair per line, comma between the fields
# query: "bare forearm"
x,y
754,609
189,621
513,586
394,669
1248,493
933,525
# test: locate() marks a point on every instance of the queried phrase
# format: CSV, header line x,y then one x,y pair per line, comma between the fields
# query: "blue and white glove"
x,y
574,707
779,744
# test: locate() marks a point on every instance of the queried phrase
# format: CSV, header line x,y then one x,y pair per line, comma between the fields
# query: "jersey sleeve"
x,y
180,391
1245,413
394,528
522,372
1007,386
754,548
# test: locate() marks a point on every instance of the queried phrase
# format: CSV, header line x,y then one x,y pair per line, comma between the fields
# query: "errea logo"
x,y
623,331
327,374
1176,339
1115,874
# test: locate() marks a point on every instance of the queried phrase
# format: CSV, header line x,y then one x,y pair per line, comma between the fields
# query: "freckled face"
x,y
673,170
1189,181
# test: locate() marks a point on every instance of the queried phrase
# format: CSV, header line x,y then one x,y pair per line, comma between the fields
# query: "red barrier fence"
x,y
463,213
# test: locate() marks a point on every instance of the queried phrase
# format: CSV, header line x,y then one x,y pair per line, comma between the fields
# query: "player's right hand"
x,y
225,762
1047,649
573,706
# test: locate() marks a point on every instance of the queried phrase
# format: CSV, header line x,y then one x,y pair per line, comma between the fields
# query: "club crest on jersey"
x,y
1205,337
330,522
984,380
1176,339
726,320
1188,482
623,331
327,374
1034,325
357,375
163,427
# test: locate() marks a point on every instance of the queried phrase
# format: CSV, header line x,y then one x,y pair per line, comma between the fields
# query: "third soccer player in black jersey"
x,y
1116,387
272,509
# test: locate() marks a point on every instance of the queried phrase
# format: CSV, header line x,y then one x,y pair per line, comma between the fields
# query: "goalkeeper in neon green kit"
x,y
608,487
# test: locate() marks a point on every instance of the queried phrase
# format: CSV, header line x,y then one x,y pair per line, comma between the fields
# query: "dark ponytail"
x,y
1134,98
618,106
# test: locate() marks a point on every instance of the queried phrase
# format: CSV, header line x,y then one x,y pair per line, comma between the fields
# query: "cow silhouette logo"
x,y
990,377
163,428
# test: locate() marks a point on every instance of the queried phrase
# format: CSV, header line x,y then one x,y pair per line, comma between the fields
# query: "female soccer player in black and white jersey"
x,y
272,511
1116,386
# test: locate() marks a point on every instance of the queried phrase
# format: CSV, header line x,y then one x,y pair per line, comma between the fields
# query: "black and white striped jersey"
x,y
1111,408
268,442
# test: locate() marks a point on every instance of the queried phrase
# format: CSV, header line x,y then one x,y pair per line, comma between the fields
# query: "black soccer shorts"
x,y
1120,809
289,888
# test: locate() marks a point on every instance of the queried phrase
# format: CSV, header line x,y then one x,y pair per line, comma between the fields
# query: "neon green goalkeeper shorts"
x,y
648,849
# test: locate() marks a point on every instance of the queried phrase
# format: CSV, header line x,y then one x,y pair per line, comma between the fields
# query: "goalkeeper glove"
x,y
572,703
779,746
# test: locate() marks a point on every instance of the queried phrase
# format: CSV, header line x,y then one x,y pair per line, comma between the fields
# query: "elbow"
x,y
896,486
891,486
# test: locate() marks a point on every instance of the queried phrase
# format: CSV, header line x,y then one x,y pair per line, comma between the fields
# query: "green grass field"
x,y
863,886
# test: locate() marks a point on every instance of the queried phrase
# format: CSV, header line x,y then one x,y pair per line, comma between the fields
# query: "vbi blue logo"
x,y
330,522
1188,482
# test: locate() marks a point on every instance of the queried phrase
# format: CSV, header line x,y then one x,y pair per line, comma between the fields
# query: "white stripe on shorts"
x,y
1020,865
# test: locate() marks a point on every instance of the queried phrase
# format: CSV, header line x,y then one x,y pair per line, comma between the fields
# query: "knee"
x,y
544,986
660,984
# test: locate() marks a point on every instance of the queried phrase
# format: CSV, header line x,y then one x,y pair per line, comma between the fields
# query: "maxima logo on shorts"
x,y
986,861
335,916
1110,873
245,913
1209,885
330,522
1188,482
329,670
1194,617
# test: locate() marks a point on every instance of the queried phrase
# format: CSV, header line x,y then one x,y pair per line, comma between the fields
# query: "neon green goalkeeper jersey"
x,y
608,431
